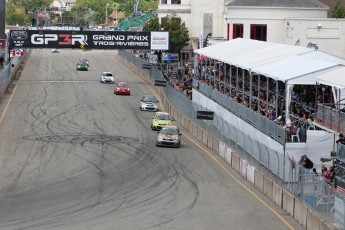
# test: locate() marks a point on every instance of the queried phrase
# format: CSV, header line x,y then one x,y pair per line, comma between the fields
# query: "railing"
x,y
266,126
331,118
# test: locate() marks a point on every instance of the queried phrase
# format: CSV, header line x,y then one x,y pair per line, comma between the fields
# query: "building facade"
x,y
201,17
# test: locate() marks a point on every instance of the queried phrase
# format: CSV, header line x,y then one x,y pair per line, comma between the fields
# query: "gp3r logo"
x,y
61,39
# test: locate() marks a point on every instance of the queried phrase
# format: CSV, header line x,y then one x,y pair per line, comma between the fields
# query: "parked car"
x,y
82,66
149,102
122,88
169,136
160,119
107,77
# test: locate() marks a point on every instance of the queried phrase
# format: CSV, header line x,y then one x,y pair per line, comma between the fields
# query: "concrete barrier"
x,y
268,187
209,140
215,145
278,194
190,127
313,220
250,174
326,226
259,180
235,162
288,202
204,137
195,130
199,134
301,213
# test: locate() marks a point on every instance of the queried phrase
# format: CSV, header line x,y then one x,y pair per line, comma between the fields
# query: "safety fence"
x,y
216,135
330,117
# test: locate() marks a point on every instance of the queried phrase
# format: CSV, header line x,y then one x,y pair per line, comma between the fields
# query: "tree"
x,y
152,25
339,10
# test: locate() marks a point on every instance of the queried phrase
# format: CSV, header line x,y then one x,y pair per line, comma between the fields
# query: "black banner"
x,y
205,115
160,83
88,39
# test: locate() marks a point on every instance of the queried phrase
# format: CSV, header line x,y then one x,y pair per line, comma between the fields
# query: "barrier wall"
x,y
10,70
284,199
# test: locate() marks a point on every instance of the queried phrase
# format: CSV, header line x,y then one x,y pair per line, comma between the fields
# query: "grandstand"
x,y
136,21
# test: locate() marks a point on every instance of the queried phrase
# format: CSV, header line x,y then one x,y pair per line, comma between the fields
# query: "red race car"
x,y
122,88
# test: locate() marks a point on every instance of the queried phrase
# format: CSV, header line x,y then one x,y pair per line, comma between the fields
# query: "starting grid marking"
x,y
54,81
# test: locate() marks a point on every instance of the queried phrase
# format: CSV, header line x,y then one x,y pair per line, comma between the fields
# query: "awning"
x,y
294,70
334,78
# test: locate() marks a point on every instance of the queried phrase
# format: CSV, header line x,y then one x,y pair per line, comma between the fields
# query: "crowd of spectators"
x,y
265,95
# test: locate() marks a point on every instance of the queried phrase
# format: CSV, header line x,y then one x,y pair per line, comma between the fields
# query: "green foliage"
x,y
178,32
152,25
126,6
13,18
339,10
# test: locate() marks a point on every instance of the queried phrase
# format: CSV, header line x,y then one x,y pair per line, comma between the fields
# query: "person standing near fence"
x,y
306,163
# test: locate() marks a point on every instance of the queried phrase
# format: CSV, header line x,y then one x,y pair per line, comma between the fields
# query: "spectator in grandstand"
x,y
341,139
326,174
2,61
306,162
315,172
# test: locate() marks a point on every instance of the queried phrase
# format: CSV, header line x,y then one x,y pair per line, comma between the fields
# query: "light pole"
x,y
116,15
106,14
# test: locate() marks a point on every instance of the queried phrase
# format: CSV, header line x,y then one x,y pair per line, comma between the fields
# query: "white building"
x,y
200,16
293,22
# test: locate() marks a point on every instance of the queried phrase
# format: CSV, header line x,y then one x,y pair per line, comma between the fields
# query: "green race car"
x,y
82,66
160,119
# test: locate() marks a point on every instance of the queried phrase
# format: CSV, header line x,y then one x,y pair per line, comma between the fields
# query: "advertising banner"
x,y
89,39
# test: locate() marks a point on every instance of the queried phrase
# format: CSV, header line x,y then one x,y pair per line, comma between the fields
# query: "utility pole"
x,y
2,17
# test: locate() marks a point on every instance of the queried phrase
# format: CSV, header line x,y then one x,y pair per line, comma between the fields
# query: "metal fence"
x,y
331,117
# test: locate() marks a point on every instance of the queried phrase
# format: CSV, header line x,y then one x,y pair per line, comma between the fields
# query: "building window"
x,y
258,32
237,31
164,1
176,2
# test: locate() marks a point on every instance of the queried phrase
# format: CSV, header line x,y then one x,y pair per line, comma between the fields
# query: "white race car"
x,y
107,77
55,50
149,102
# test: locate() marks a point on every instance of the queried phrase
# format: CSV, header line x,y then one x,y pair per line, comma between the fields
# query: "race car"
x,y
122,88
169,136
107,77
82,66
160,119
149,102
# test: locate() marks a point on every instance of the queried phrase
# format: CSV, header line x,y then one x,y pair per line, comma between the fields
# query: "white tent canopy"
x,y
277,61
334,78
292,68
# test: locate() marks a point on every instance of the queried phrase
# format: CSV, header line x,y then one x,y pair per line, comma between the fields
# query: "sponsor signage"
x,y
205,115
160,40
160,83
89,39
2,43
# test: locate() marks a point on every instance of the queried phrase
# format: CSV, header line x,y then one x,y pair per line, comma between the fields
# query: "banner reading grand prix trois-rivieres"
x,y
89,39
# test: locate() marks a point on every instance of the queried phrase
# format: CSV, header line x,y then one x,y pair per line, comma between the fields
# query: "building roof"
x,y
279,3
290,64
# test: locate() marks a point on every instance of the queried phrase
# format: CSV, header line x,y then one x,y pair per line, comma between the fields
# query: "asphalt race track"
x,y
74,156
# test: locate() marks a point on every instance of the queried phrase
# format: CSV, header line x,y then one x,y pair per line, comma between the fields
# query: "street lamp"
x,y
116,15
106,14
